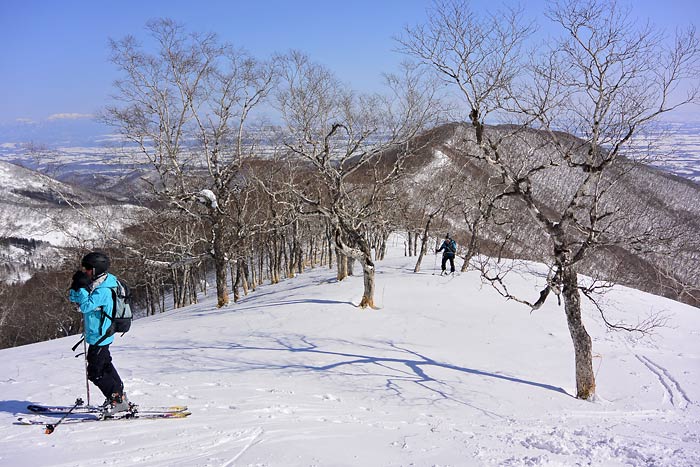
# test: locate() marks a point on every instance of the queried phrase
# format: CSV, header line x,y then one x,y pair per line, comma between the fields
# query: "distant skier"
x,y
448,248
90,289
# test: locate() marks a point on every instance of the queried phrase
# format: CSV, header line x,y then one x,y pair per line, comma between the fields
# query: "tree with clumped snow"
x,y
186,107
355,145
603,81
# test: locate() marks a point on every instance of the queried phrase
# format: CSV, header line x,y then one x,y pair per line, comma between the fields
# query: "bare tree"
x,y
186,108
601,82
479,55
355,145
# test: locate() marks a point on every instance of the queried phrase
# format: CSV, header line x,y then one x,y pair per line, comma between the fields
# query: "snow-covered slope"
x,y
445,373
26,187
36,207
640,202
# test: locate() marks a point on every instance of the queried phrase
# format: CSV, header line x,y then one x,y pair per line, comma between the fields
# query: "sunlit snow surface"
x,y
444,373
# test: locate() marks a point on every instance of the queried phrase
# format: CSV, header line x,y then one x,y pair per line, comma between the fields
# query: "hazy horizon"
x,y
56,65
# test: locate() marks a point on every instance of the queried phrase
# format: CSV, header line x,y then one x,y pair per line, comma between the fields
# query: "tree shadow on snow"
x,y
261,305
417,367
409,367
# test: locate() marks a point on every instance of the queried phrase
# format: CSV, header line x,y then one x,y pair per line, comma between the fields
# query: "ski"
x,y
88,409
91,417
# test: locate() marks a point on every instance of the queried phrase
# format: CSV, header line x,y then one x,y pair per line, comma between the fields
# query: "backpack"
x,y
450,247
121,312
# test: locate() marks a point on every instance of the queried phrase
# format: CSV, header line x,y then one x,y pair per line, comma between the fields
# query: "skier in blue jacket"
x,y
91,290
449,248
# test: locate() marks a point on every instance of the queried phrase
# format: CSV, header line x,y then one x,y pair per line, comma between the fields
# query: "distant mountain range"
x,y
80,149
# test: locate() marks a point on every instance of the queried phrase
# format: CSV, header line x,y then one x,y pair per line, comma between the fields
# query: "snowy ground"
x,y
445,373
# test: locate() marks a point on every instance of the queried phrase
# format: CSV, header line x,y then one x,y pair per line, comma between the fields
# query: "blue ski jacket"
x,y
450,248
92,304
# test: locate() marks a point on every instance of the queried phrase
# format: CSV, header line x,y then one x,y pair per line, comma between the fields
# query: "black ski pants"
x,y
452,262
101,371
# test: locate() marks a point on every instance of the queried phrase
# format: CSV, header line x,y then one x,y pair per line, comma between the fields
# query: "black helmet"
x,y
447,235
97,261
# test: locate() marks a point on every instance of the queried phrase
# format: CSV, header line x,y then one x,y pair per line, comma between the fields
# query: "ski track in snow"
x,y
673,389
254,438
195,446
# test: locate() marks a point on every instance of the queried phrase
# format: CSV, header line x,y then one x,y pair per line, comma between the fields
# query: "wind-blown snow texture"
x,y
446,373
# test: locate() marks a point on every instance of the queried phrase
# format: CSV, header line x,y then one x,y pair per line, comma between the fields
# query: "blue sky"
x,y
54,60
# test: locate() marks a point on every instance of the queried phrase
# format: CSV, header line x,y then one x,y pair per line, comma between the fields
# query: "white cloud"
x,y
26,121
69,116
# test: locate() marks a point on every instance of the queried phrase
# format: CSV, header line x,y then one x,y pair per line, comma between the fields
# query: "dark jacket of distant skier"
x,y
448,248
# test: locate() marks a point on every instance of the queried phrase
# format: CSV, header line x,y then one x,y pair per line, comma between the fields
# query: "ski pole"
x,y
87,379
50,427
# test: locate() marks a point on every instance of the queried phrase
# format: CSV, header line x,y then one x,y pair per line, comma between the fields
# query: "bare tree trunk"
x,y
329,238
176,303
221,265
235,282
287,256
243,265
471,249
253,272
300,256
342,260
312,254
363,254
585,378
184,286
382,247
368,276
423,244
193,285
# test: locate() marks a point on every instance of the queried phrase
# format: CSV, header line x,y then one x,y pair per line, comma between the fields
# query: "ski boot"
x,y
115,404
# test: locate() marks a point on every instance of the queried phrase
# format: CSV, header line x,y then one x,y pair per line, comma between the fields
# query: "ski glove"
x,y
80,281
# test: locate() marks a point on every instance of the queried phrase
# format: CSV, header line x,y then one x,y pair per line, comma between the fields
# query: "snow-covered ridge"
x,y
27,187
446,373
34,206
